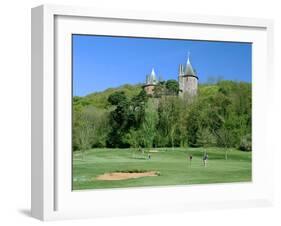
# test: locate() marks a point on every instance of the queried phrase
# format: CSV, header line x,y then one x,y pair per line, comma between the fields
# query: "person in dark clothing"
x,y
205,159
190,159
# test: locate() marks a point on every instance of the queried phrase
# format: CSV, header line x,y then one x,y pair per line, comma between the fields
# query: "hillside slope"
x,y
99,99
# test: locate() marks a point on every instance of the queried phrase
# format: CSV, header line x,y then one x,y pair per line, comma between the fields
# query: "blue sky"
x,y
101,62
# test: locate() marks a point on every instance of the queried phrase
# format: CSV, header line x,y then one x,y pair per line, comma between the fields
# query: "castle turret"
x,y
181,74
151,82
188,80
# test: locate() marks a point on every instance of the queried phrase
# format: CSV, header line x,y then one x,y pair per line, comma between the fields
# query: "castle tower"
x,y
151,82
188,80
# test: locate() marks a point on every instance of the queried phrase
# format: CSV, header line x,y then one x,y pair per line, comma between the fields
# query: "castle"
x,y
187,79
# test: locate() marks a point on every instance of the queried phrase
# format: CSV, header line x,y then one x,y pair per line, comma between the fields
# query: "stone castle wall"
x,y
149,89
188,86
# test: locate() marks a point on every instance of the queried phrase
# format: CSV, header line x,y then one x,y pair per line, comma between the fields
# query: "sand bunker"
x,y
125,176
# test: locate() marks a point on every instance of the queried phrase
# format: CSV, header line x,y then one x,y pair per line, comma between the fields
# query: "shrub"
x,y
246,143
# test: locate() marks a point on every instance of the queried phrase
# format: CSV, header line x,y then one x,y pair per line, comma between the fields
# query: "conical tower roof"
x,y
152,74
189,69
151,78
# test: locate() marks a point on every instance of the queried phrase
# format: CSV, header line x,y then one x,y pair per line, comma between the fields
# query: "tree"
x,y
182,123
220,115
167,127
83,129
172,87
100,126
148,127
163,126
138,105
117,98
127,115
205,138
193,122
159,89
118,119
134,138
173,108
246,143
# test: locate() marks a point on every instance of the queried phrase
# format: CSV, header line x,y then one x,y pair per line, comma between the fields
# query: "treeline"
x,y
219,116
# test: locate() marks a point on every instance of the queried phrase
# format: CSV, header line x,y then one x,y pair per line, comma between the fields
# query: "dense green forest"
x,y
127,117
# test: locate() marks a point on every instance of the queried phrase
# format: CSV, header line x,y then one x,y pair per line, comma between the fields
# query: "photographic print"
x,y
159,112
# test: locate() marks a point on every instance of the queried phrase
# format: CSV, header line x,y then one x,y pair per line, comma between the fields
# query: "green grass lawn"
x,y
172,164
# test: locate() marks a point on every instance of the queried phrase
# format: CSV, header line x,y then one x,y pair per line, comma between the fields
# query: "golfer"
x,y
205,159
190,159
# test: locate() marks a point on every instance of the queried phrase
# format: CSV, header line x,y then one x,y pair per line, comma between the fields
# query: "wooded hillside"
x,y
126,117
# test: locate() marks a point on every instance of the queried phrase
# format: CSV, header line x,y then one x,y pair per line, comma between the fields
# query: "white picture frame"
x,y
52,197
